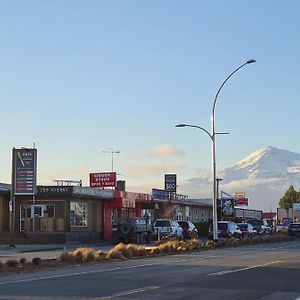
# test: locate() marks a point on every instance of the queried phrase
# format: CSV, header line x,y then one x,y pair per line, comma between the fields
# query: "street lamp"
x,y
111,151
212,136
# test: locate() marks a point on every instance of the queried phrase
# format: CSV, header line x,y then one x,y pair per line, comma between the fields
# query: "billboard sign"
x,y
24,170
158,194
102,180
241,201
170,183
239,195
225,207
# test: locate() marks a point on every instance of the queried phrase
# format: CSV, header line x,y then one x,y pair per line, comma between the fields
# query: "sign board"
x,y
170,183
241,201
239,195
54,191
296,206
24,170
103,180
226,207
158,194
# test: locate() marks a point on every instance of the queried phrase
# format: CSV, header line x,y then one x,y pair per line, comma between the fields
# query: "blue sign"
x,y
158,194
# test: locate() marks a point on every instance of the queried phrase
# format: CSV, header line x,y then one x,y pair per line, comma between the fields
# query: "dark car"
x,y
132,230
226,229
258,225
247,230
294,229
189,230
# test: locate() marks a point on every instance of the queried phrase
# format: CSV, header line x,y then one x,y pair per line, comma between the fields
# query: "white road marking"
x,y
246,268
140,290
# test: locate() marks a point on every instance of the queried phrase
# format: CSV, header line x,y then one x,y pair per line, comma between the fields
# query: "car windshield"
x,y
295,226
222,226
183,224
256,222
162,223
243,226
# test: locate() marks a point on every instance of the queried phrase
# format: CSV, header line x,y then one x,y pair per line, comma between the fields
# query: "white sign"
x,y
239,195
10,206
296,206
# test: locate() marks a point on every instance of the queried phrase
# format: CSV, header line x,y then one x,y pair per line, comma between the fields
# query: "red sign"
x,y
103,179
241,201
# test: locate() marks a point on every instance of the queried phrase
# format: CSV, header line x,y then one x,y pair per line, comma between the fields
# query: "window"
x,y
78,214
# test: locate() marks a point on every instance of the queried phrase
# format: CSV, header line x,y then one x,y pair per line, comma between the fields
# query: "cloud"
x,y
165,151
150,170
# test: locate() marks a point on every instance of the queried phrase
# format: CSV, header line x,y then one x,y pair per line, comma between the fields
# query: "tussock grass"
x,y
114,254
12,263
99,255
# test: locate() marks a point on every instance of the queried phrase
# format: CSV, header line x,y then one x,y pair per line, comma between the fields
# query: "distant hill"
x,y
264,176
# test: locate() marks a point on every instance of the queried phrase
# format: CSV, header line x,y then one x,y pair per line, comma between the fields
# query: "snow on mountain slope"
x,y
264,176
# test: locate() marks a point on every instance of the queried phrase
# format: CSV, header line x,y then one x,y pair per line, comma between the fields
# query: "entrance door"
x,y
25,214
28,215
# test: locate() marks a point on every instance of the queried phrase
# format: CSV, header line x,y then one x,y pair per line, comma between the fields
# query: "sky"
x,y
82,77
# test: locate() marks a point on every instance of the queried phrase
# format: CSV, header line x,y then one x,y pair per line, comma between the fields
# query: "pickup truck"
x,y
132,230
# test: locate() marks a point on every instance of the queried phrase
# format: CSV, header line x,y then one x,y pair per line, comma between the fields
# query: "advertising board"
x,y
170,183
24,170
158,194
102,180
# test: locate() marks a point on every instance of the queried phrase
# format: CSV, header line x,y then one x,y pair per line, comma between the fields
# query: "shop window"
x,y
78,214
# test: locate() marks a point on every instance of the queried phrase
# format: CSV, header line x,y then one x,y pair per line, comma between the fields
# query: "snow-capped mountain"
x,y
264,176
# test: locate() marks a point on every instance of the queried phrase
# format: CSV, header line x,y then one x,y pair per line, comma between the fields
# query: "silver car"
x,y
167,227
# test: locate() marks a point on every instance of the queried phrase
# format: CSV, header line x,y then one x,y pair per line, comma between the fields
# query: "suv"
x,y
189,230
166,228
226,229
261,226
134,230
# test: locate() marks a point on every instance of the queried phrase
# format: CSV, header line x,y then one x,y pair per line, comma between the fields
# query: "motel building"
x,y
62,214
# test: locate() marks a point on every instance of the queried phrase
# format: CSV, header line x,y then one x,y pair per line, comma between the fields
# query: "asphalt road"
x,y
270,271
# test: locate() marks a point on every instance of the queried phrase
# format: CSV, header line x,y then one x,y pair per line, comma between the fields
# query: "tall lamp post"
x,y
212,136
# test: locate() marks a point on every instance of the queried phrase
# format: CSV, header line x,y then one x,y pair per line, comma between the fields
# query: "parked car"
x,y
226,229
136,230
166,227
189,230
294,229
261,226
282,228
247,230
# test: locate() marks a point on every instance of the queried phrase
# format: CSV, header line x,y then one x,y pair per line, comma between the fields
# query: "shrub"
x,y
99,255
23,261
12,263
67,257
1,264
114,254
155,250
142,251
133,248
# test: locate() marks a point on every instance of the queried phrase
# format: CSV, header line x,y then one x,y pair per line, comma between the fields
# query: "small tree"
x,y
289,198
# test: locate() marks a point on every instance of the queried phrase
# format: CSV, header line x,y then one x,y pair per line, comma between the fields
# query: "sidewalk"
x,y
45,251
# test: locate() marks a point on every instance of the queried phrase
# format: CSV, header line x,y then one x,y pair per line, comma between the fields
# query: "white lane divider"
x,y
130,292
246,268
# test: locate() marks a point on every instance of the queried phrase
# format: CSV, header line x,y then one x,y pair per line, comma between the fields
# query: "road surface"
x,y
269,271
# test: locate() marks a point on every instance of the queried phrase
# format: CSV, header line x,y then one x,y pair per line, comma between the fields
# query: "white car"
x,y
166,227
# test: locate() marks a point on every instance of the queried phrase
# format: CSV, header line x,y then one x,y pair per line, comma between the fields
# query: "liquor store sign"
x,y
24,170
103,180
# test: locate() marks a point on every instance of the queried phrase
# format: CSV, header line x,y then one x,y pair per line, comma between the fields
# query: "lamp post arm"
x,y
217,94
201,128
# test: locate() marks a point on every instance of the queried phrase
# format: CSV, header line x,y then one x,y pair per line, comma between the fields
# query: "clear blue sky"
x,y
80,77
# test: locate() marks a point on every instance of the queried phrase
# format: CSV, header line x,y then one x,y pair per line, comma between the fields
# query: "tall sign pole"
x,y
24,164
